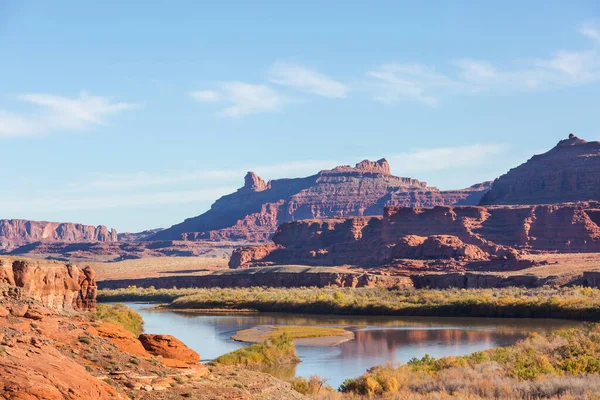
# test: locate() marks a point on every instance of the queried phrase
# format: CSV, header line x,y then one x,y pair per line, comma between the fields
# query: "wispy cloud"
x,y
395,82
241,98
443,158
56,113
204,186
55,202
199,176
307,80
591,29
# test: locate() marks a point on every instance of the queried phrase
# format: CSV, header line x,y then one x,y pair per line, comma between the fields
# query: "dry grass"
x,y
561,365
156,267
565,265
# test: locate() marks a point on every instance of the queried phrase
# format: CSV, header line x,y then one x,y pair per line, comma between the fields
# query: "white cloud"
x,y
308,80
591,29
209,96
396,82
443,158
59,113
242,98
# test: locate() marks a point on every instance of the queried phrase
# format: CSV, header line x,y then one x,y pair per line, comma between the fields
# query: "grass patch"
x,y
263,333
121,315
274,351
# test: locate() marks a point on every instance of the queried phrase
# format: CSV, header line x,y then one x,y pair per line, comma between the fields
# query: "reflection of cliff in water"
x,y
376,343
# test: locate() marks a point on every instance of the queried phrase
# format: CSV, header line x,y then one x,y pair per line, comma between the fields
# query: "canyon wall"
x,y
18,232
567,173
282,276
254,212
58,286
470,234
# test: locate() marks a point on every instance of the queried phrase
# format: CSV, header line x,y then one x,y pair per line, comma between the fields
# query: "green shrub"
x,y
273,351
121,315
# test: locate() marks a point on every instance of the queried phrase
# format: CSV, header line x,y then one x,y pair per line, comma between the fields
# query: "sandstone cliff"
x,y
58,286
254,212
280,276
19,232
469,234
567,173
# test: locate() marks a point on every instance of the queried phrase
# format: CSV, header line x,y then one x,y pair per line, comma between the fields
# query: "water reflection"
x,y
378,340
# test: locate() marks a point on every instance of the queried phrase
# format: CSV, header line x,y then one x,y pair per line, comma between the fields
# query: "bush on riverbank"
x,y
121,315
273,351
544,302
564,364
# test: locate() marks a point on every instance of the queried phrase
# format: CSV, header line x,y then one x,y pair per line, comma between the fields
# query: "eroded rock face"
x,y
279,276
18,232
254,212
567,173
470,233
168,346
58,286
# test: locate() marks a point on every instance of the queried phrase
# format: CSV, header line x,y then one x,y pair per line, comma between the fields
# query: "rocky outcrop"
x,y
254,212
19,232
280,276
168,346
58,286
569,172
472,233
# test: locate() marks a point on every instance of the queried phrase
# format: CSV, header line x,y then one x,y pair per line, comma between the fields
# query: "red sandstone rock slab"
x,y
124,340
170,347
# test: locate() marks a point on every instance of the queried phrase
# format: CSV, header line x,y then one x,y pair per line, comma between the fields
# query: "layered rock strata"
x,y
58,286
18,232
281,276
471,234
567,173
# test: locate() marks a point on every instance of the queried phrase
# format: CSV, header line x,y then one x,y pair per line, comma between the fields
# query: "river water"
x,y
378,340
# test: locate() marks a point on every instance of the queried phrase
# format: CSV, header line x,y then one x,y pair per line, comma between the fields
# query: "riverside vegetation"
x,y
274,351
545,302
121,315
560,365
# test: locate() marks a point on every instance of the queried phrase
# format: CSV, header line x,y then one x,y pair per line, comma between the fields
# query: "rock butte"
x,y
254,212
567,173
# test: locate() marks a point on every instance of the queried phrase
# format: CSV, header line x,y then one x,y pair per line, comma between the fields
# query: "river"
x,y
378,340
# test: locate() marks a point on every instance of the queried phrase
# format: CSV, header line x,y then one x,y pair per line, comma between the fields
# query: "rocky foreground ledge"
x,y
53,347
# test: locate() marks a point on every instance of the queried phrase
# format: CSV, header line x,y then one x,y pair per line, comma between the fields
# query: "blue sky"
x,y
139,114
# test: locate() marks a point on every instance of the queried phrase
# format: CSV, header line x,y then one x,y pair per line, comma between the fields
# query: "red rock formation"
x,y
168,346
58,286
255,211
280,276
569,172
19,232
471,233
